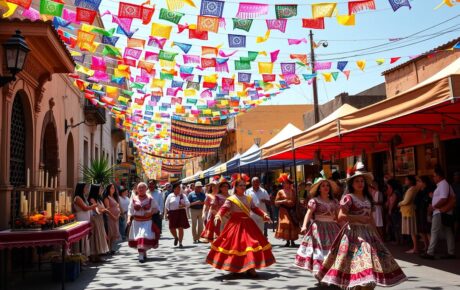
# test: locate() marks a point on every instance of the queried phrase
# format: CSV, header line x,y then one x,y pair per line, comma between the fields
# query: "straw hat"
x,y
319,180
360,170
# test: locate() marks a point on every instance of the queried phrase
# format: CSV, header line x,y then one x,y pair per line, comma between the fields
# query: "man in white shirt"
x,y
158,197
261,199
440,198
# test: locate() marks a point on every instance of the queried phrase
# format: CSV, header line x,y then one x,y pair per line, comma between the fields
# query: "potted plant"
x,y
98,172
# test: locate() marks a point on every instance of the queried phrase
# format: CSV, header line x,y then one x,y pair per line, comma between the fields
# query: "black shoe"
x,y
449,257
180,245
287,244
293,245
176,240
427,256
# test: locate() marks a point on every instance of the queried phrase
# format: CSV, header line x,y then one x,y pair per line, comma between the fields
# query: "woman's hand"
x,y
303,230
267,219
217,220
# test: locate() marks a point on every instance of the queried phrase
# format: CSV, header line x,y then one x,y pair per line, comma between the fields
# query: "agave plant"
x,y
98,172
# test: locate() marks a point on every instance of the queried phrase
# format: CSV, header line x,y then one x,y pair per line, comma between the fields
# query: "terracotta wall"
x,y
409,75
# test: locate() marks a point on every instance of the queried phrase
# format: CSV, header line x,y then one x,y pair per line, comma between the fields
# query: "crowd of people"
x,y
342,223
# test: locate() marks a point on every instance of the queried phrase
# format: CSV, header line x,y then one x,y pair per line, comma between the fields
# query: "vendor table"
x,y
63,236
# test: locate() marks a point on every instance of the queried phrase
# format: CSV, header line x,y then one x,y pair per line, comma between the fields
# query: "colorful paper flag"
x,y
212,8
361,64
265,67
161,30
235,40
323,9
207,23
242,65
285,10
243,24
264,38
196,34
183,46
346,20
170,16
396,4
277,24
128,10
48,7
341,65
288,68
315,23
251,10
356,6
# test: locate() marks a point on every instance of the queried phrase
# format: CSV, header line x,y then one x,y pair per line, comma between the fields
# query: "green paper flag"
x,y
243,24
252,55
191,101
136,86
335,75
166,76
104,32
48,7
286,11
242,65
111,51
167,55
170,16
128,92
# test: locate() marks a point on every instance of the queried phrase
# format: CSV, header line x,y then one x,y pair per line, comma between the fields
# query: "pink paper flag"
x,y
142,79
188,58
323,65
150,55
222,67
223,54
157,41
274,55
208,94
69,15
251,10
32,14
292,41
132,52
277,24
346,73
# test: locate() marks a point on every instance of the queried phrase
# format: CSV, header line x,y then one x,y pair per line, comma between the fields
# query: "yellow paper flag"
x,y
380,61
189,92
111,92
161,30
323,9
158,83
84,70
175,5
211,78
11,8
327,77
264,38
361,64
167,63
265,67
135,42
347,20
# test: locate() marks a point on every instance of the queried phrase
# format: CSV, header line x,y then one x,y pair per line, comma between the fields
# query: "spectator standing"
x,y
422,202
377,198
124,204
261,199
98,238
83,211
196,199
110,199
407,208
393,215
158,197
442,221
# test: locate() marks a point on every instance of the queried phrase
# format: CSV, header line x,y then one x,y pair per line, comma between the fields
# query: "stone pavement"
x,y
173,268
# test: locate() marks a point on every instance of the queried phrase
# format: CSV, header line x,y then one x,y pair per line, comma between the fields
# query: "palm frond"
x,y
98,172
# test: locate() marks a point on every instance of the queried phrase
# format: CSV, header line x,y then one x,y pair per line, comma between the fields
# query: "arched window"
x,y
18,144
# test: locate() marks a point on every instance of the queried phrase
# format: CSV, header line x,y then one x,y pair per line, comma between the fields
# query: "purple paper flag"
x,y
277,24
288,68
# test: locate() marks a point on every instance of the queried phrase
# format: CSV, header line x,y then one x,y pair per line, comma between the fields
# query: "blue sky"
x,y
372,28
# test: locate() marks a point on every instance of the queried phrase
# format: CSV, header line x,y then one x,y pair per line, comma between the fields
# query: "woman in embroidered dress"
x,y
322,210
175,210
241,247
143,234
110,199
288,225
358,258
211,231
82,212
98,237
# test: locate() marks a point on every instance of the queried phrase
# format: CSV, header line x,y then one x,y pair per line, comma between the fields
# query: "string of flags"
x,y
150,83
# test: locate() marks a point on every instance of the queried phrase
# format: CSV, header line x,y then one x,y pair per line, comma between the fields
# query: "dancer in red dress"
x,y
214,203
241,247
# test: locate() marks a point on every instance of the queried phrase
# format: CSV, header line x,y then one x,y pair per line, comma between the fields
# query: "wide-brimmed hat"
x,y
198,184
284,177
360,170
319,180
222,181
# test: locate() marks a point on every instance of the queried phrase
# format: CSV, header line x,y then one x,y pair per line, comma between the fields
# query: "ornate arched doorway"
x,y
70,162
49,146
18,143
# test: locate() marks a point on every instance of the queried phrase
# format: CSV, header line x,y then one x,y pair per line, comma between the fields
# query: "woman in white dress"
x,y
82,211
143,234
377,197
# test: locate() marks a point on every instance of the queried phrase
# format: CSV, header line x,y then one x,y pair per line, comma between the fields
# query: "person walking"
x,y
110,199
241,247
261,199
442,221
358,258
143,233
407,208
288,225
175,210
153,191
322,212
124,204
98,237
82,212
196,199
210,208
211,231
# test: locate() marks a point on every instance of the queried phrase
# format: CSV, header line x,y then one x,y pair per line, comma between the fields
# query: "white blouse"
x,y
172,201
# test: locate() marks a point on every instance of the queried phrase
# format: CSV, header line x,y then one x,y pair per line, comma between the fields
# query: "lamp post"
x,y
16,51
313,71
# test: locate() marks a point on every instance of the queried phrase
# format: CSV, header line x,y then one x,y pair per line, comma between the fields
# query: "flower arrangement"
x,y
41,221
62,219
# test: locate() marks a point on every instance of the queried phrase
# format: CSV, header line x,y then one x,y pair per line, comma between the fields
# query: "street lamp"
x,y
313,45
16,51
